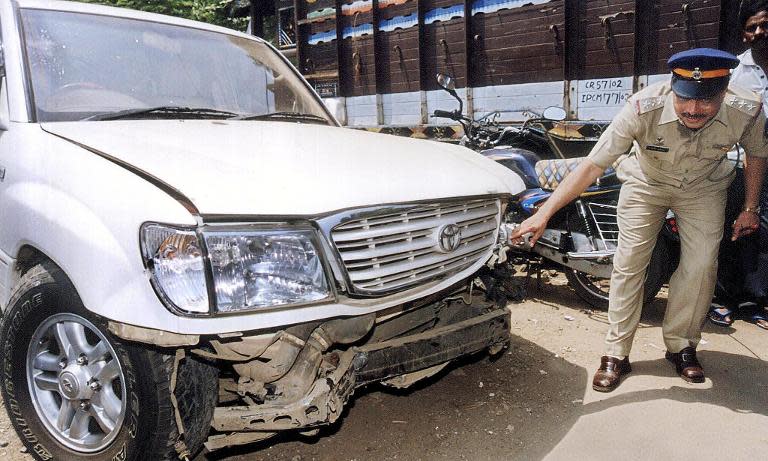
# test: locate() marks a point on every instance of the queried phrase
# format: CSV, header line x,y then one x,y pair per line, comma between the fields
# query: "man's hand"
x,y
754,172
745,224
535,225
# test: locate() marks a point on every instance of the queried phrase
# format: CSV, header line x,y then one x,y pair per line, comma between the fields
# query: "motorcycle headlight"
x,y
176,261
265,268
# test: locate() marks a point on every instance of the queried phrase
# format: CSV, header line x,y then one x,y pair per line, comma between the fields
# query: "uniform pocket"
x,y
662,161
714,152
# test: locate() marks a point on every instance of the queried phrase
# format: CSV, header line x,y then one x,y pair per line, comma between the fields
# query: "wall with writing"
x,y
375,60
600,98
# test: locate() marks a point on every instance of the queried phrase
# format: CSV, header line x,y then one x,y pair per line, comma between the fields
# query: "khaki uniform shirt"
x,y
669,153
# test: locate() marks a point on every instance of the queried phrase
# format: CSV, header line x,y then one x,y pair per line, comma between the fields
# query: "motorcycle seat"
x,y
552,172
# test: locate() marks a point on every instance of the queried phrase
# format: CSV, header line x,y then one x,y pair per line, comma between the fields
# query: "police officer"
x,y
679,133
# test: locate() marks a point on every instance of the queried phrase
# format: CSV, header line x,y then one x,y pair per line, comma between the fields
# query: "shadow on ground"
x,y
519,406
518,413
480,409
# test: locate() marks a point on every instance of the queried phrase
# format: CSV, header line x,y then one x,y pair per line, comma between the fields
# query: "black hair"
x,y
750,8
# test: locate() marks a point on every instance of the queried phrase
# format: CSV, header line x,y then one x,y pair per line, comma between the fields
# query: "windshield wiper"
x,y
163,112
284,116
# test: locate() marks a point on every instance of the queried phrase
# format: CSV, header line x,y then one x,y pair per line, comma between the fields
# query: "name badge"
x,y
656,148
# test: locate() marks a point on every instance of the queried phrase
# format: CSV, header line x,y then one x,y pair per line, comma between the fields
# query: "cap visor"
x,y
692,89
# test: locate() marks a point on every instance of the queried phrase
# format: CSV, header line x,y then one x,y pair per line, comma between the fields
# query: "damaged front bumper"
x,y
417,352
356,366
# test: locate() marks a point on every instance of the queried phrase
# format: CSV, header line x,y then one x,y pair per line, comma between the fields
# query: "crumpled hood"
x,y
278,168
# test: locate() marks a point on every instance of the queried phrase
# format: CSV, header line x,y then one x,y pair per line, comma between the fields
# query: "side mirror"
x,y
4,122
446,82
554,113
2,61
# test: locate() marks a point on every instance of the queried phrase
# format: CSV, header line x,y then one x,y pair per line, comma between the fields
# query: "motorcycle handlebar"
x,y
444,114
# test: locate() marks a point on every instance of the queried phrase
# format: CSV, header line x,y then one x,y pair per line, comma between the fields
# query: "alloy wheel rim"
x,y
76,382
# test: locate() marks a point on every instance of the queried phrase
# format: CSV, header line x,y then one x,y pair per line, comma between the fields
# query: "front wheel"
x,y
595,290
74,391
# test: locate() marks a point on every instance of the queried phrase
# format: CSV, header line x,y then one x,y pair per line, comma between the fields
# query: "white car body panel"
x,y
84,211
279,168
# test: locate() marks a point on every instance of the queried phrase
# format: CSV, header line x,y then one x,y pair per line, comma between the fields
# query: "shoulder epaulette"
x,y
744,105
644,105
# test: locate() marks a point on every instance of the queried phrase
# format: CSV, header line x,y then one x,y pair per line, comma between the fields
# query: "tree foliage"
x,y
211,11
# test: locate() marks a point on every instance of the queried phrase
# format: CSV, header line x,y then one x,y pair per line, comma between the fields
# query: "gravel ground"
x,y
535,401
10,446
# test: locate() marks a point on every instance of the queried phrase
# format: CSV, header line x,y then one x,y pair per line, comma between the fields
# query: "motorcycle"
x,y
581,238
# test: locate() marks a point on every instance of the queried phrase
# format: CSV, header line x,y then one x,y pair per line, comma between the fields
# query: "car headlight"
x,y
176,260
264,268
251,267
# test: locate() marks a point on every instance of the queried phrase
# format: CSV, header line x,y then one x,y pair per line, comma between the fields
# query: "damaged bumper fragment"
x,y
417,352
467,332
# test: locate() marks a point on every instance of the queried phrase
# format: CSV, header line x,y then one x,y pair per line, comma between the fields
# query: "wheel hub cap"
x,y
73,383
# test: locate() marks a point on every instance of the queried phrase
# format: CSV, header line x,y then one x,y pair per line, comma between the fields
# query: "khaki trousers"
x,y
642,209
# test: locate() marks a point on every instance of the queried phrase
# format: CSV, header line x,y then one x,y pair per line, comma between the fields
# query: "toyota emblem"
x,y
449,238
69,386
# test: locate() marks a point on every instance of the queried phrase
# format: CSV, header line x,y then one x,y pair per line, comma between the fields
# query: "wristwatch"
x,y
751,209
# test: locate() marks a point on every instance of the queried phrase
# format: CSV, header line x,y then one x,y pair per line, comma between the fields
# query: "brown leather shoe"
x,y
608,376
687,365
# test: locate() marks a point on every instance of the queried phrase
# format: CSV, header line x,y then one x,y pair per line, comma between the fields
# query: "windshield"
x,y
87,66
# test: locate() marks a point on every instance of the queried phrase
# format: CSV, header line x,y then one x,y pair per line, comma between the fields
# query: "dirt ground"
x,y
536,402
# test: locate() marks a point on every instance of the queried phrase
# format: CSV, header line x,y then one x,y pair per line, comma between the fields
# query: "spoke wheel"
x,y
76,382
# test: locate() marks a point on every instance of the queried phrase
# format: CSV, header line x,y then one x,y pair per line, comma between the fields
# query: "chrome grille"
x,y
605,218
389,249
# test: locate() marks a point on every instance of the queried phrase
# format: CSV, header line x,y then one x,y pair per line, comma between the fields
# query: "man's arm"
x,y
615,141
749,221
571,187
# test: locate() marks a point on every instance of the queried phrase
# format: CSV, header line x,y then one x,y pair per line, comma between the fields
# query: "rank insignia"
x,y
744,105
648,104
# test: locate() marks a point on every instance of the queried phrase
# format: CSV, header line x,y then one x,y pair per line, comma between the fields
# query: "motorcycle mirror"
x,y
449,84
554,113
446,81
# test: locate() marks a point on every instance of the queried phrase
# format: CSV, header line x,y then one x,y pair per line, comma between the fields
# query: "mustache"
x,y
693,116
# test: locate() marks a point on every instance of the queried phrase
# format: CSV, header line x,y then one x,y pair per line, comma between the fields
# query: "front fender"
x,y
84,213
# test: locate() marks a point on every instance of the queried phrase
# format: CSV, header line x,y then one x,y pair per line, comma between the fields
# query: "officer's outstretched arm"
x,y
571,187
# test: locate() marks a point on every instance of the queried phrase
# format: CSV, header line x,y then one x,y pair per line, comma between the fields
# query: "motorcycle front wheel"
x,y
595,290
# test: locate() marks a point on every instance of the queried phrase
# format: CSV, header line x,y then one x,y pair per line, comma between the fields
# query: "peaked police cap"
x,y
701,73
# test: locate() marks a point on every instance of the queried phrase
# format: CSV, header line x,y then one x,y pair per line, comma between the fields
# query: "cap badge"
x,y
696,74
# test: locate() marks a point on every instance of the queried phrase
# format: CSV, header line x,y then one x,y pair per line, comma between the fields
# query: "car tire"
x,y
74,391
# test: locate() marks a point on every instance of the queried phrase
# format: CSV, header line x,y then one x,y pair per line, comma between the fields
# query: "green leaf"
x,y
210,11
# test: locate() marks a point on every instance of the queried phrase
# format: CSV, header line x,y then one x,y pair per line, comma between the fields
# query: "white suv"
x,y
193,251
